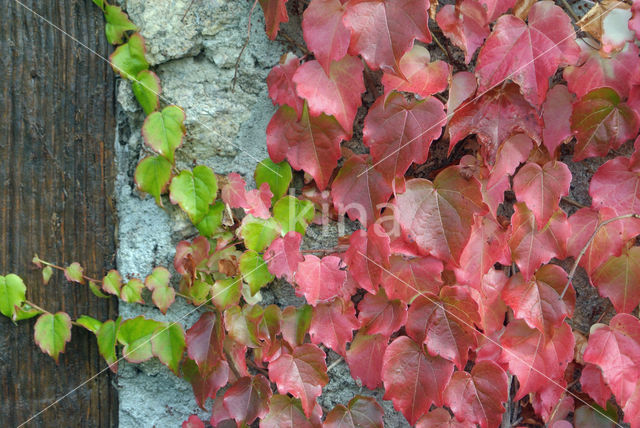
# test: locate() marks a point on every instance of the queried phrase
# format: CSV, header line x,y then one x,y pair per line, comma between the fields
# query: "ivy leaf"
x,y
368,256
189,255
242,324
407,277
333,323
258,233
153,175
293,214
320,279
465,24
52,332
90,323
47,272
193,422
168,345
616,350
282,90
477,397
74,273
360,412
194,191
439,418
438,215
382,31
534,358
106,337
412,379
601,122
324,31
541,188
417,74
164,130
302,373
296,323
283,256
135,335
128,59
275,12
12,294
359,190
538,302
493,117
592,382
587,416
25,312
131,292
495,8
204,341
556,114
255,202
117,24
618,279
311,143
463,86
112,282
285,411
248,399
365,358
277,175
254,271
399,132
528,54
530,246
163,294
205,384
335,92
212,220
379,315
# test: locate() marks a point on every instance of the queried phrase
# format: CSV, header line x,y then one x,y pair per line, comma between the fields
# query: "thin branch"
x,y
573,202
246,43
569,9
435,39
335,363
584,249
187,11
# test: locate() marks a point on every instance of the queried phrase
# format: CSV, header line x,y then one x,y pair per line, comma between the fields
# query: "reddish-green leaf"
x,y
286,412
379,315
365,356
440,418
417,74
74,273
242,324
168,345
163,294
205,384
164,130
324,32
131,292
275,12
368,256
360,412
248,399
618,278
204,341
52,332
407,278
465,24
296,323
320,279
412,379
112,282
333,323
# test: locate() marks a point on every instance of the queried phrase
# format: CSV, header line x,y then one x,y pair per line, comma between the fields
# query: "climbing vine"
x,y
452,295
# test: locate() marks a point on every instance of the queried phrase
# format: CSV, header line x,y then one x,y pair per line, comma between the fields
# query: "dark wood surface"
x,y
56,177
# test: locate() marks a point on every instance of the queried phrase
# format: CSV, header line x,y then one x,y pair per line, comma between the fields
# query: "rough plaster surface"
x,y
195,58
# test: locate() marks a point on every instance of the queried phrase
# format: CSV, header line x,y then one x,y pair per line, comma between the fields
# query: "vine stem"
x,y
88,278
335,363
246,43
569,9
44,311
584,249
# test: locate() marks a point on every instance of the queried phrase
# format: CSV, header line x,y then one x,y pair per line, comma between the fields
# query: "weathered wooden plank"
x,y
56,174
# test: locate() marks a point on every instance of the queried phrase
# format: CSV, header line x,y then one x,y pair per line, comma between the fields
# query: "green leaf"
x,y
95,289
128,59
91,324
25,312
199,292
226,292
163,131
46,274
135,335
106,336
254,270
99,3
74,273
293,214
132,291
163,295
117,24
153,175
168,345
52,332
12,294
242,324
147,90
258,233
212,220
112,283
194,191
158,278
276,175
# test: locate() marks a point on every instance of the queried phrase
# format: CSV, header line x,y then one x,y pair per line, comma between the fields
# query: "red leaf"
x,y
320,279
634,22
616,350
463,86
301,373
534,359
592,382
494,117
193,422
445,324
528,54
364,358
282,90
334,93
406,278
360,412
417,74
311,143
477,397
399,132
205,384
465,24
382,31
248,399
595,71
495,8
412,379
601,123
333,324
440,418
283,256
618,278
325,33
275,12
233,193
285,411
439,215
190,254
204,341
254,202
538,302
359,190
367,256
491,307
556,113
541,188
379,315
530,246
